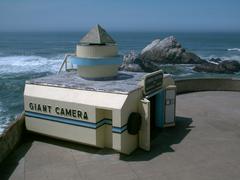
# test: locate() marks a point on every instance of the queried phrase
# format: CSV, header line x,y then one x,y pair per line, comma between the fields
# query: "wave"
x,y
234,49
231,57
3,126
19,64
1,129
4,121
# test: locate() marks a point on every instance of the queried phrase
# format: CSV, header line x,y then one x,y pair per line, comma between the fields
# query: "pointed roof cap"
x,y
97,35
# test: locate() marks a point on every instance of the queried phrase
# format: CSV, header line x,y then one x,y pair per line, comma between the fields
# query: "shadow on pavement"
x,y
162,140
8,166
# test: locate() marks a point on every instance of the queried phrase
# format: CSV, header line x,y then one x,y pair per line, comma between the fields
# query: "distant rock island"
x,y
169,51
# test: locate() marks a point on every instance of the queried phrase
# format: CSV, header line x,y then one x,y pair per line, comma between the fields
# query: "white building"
x,y
117,112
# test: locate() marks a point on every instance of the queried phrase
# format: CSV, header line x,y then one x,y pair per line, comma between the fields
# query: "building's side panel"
x,y
129,142
62,119
55,112
104,132
87,98
62,131
116,126
144,133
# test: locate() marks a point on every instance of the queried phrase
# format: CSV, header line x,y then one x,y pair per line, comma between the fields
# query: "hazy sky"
x,y
133,15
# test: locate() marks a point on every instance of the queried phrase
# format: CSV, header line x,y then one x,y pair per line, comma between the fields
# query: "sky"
x,y
120,15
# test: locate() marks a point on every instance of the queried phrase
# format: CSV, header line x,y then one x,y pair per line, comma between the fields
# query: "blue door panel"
x,y
160,109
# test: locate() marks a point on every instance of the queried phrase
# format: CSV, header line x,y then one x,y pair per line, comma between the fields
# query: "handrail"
x,y
65,62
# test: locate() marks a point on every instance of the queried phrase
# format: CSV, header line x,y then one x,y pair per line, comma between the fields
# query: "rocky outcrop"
x,y
131,62
228,67
157,53
168,51
215,60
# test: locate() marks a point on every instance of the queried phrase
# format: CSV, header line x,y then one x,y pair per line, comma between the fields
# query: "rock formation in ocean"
x,y
227,66
169,51
131,62
157,53
215,60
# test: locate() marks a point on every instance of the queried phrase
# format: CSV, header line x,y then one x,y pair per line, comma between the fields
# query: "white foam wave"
x,y
16,64
234,49
3,123
1,130
185,74
3,127
232,57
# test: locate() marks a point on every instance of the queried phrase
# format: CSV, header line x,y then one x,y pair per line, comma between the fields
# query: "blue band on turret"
x,y
94,62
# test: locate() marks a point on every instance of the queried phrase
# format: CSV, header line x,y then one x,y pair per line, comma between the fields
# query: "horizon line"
x,y
119,31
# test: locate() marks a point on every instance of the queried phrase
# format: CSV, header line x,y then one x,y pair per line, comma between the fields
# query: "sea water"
x,y
24,56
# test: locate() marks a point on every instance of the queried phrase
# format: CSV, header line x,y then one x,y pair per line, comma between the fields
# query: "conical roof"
x,y
97,35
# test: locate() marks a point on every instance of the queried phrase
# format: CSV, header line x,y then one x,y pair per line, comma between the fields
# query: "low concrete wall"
x,y
207,84
11,137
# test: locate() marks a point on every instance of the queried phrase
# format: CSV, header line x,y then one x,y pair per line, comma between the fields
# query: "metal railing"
x,y
65,62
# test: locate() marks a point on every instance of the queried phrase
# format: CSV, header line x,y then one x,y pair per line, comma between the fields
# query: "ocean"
x,y
25,56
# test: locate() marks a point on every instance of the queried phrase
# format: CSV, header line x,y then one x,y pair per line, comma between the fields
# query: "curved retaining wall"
x,y
11,137
207,84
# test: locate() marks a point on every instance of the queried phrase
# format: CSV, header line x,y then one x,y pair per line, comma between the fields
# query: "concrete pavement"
x,y
205,144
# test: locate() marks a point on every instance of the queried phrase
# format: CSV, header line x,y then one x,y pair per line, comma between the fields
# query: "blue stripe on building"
x,y
76,122
119,130
93,62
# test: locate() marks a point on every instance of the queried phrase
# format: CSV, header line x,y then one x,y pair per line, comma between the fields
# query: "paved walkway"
x,y
205,144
